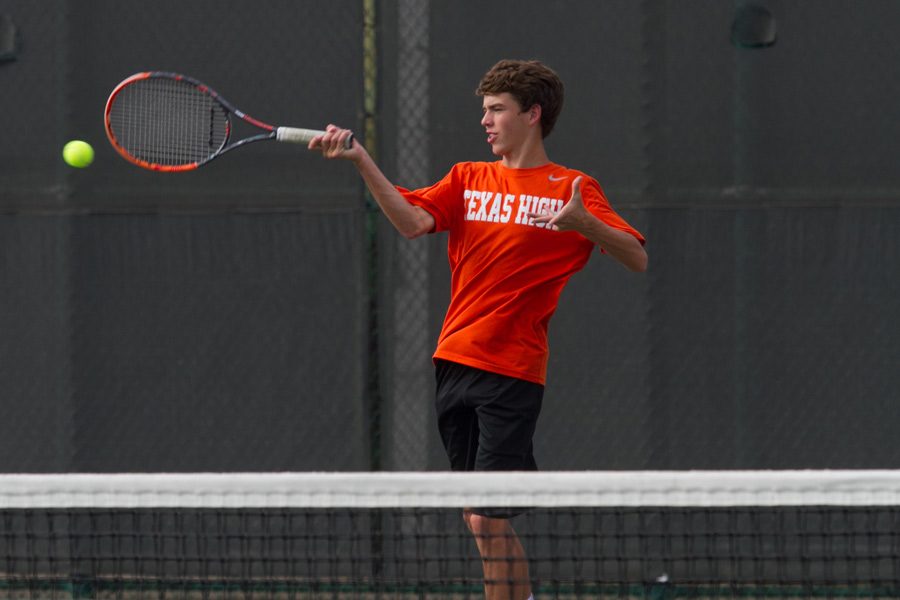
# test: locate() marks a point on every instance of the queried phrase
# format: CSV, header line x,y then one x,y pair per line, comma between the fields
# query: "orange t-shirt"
x,y
507,273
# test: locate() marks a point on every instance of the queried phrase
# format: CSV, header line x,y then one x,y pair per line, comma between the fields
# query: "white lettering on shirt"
x,y
508,199
494,217
483,197
497,207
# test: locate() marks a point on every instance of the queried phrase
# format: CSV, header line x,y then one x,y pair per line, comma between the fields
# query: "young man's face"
x,y
506,123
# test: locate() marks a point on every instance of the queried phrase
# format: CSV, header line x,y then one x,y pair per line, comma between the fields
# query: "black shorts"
x,y
486,420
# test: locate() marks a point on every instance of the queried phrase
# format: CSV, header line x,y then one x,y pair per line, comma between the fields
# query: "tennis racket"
x,y
170,122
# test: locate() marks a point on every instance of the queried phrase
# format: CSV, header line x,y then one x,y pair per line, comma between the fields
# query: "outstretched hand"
x,y
569,217
333,144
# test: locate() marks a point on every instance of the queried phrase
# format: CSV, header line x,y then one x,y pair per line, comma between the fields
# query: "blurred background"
x,y
259,315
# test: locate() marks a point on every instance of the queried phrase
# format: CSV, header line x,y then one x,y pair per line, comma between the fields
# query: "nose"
x,y
486,119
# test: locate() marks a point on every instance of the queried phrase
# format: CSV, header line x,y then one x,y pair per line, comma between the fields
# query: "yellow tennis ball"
x,y
78,154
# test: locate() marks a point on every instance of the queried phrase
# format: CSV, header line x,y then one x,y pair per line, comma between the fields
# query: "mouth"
x,y
491,138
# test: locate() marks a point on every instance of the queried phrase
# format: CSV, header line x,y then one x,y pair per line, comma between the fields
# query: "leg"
x,y
487,422
502,557
506,423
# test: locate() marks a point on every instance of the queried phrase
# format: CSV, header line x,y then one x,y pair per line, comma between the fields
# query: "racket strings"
x,y
168,122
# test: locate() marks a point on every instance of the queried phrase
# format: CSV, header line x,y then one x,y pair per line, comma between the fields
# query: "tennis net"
x,y
659,535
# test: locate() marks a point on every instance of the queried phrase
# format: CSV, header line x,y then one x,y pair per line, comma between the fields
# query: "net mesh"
x,y
396,535
168,122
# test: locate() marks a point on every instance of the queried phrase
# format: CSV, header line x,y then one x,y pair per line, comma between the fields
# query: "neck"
x,y
528,155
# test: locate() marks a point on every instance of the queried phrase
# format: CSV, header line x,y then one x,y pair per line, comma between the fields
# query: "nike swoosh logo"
x,y
552,178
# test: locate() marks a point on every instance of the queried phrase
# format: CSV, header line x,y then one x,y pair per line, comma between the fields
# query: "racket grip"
x,y
296,135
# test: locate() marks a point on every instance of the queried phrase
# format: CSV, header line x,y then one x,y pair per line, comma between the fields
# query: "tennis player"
x,y
519,228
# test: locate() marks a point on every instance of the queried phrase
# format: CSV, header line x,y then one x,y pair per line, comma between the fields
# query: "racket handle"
x,y
296,135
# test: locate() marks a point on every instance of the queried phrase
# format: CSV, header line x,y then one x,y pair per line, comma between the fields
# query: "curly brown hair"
x,y
530,82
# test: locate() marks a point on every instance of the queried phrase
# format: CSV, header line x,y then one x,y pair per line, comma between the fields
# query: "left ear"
x,y
534,114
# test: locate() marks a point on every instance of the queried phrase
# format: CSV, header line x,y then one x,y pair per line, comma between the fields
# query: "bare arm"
x,y
410,220
574,216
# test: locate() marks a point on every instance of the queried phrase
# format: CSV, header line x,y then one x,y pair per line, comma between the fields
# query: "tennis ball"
x,y
78,154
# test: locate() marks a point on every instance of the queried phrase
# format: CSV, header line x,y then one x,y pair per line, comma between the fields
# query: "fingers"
x,y
560,220
545,218
565,218
333,143
576,188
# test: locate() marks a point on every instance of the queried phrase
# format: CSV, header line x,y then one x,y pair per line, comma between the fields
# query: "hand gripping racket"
x,y
169,122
